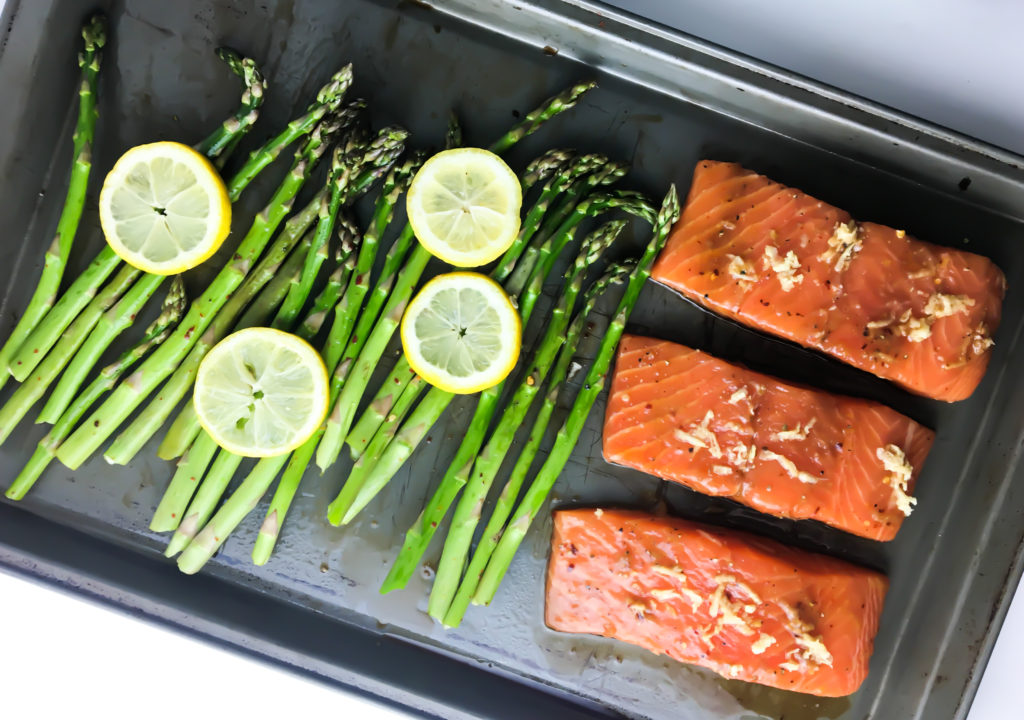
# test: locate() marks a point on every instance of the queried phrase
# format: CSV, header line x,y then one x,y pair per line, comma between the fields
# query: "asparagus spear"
x,y
489,460
334,351
547,110
428,412
219,145
336,281
197,447
567,170
381,155
83,289
340,421
231,513
56,258
156,333
569,433
562,371
256,484
111,324
328,99
33,388
130,393
145,425
204,502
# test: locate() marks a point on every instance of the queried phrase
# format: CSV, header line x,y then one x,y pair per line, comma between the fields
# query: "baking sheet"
x,y
664,102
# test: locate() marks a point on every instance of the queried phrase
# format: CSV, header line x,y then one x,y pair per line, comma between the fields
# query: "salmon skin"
x,y
782,449
779,260
743,606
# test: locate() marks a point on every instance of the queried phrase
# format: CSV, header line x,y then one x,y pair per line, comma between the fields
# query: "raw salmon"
x,y
743,606
781,261
780,448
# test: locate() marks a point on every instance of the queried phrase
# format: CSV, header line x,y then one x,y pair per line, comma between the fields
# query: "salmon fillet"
x,y
743,606
782,449
783,262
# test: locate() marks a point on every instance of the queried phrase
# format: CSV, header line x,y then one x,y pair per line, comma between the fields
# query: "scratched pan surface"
x,y
665,101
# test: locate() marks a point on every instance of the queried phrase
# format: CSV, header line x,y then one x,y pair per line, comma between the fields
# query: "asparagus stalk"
x,y
328,100
82,290
33,388
204,502
380,155
568,168
56,258
189,471
197,448
156,333
430,410
146,424
110,325
335,348
550,108
336,281
569,433
487,463
219,145
562,372
231,513
340,421
130,393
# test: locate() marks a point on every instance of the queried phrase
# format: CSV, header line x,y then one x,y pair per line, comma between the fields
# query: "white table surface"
x,y
953,62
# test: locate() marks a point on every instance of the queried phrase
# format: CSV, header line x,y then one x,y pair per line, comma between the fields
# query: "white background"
x,y
953,62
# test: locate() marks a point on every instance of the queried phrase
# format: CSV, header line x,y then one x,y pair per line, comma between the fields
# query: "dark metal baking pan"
x,y
665,100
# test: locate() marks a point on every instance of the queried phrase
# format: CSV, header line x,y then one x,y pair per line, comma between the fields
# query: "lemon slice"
x,y
261,392
461,333
163,208
463,205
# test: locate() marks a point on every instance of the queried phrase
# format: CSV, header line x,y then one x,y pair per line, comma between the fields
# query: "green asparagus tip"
x,y
669,212
332,93
545,166
599,240
629,201
232,58
94,33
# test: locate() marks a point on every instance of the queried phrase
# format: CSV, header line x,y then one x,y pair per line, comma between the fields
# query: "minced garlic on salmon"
x,y
773,614
793,451
842,285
